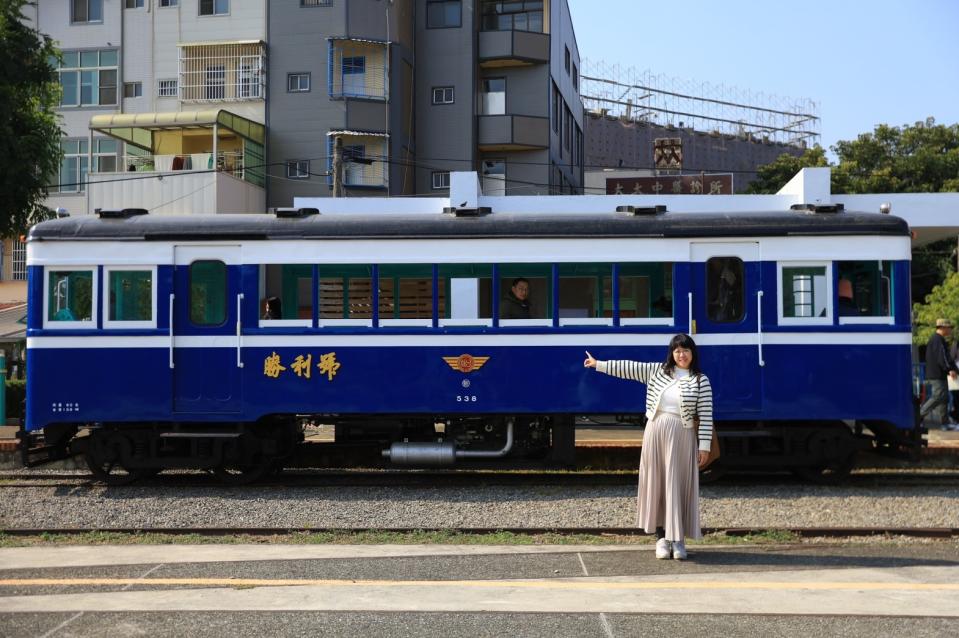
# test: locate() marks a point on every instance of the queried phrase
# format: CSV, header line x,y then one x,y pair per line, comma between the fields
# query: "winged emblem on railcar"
x,y
465,363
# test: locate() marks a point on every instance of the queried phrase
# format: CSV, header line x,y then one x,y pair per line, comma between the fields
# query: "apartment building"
x,y
200,106
415,89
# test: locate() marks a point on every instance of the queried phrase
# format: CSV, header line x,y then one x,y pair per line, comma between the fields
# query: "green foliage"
x,y
29,128
775,175
16,393
923,158
943,302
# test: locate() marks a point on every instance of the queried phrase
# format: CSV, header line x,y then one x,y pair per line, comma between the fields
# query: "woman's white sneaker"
x,y
663,548
679,550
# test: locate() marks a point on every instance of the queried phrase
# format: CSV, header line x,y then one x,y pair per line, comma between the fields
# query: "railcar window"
x,y
539,278
582,295
406,292
130,295
806,291
467,290
286,293
725,289
645,293
345,292
207,293
70,295
864,290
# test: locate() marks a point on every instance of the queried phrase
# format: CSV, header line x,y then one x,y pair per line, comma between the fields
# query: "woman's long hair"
x,y
682,341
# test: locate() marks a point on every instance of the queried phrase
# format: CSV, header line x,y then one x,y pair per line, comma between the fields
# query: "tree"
x,y
942,302
29,128
775,175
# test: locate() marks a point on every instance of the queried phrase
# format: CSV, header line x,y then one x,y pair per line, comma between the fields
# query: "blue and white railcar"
x,y
148,346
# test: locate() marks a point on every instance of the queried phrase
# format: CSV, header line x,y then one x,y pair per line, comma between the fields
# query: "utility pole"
x,y
338,167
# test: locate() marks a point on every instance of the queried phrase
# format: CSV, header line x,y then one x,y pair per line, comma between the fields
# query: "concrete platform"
x,y
856,590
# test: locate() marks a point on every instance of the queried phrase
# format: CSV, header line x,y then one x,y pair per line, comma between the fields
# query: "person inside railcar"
x,y
939,367
679,409
272,308
847,305
515,304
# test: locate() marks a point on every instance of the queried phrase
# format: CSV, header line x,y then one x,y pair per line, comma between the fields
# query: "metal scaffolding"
x,y
643,96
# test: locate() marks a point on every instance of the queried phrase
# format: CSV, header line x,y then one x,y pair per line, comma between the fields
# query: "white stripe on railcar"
x,y
477,341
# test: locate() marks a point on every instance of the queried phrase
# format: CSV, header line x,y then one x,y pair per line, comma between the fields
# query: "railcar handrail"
x,y
759,326
239,331
171,329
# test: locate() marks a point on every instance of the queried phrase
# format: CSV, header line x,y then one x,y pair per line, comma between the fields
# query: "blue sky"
x,y
863,62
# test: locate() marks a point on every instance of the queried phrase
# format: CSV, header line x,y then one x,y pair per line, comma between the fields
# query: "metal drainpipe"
x,y
492,454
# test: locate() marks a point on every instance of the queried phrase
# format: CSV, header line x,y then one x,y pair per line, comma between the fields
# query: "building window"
x,y
567,62
105,155
316,3
575,78
248,77
73,166
493,97
133,89
214,7
442,95
88,78
354,75
19,260
441,179
513,16
167,88
556,108
298,169
297,82
86,11
215,86
443,14
134,4
568,133
169,3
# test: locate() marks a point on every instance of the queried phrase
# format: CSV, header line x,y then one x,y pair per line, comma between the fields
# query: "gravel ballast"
x,y
483,506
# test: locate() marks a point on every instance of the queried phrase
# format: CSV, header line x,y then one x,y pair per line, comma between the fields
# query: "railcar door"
x,y
726,291
205,339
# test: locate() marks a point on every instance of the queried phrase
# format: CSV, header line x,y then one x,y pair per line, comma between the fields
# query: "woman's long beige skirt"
x,y
669,479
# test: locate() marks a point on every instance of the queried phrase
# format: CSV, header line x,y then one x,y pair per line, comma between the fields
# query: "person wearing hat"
x,y
939,366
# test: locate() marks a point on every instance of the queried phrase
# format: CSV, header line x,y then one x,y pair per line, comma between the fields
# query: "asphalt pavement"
x,y
848,589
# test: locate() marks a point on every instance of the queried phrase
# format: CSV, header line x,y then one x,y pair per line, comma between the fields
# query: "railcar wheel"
x,y
828,473
103,457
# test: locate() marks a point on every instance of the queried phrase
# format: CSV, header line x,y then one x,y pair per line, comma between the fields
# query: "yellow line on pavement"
x,y
489,584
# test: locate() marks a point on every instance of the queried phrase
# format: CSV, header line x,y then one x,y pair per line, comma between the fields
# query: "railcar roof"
x,y
494,225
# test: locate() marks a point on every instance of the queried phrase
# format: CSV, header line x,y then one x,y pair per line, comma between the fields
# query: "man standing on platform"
x,y
939,366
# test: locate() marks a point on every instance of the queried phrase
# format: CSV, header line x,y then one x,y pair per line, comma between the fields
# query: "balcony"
x,y
364,159
222,71
216,164
513,132
358,69
512,48
194,189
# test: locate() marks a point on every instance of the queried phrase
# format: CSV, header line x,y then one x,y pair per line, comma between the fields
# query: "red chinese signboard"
x,y
702,184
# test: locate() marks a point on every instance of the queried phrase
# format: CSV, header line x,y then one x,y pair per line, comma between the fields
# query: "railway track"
x,y
800,532
459,478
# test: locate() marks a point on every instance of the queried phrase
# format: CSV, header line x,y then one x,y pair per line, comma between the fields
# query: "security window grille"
x,y
441,180
222,72
19,260
214,7
86,11
132,89
443,14
298,169
88,78
357,69
166,88
443,95
298,82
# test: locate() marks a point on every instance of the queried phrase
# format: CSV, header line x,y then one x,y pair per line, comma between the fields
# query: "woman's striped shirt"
x,y
696,394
